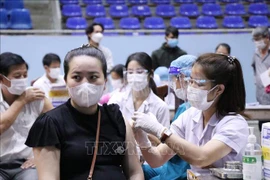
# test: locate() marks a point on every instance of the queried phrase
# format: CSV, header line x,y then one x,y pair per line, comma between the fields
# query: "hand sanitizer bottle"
x,y
252,158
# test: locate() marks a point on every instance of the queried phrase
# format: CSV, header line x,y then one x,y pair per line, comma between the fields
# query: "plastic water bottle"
x,y
252,158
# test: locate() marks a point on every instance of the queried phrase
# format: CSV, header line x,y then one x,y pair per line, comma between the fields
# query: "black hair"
x,y
146,62
227,47
90,28
225,70
49,58
118,69
7,60
85,51
173,30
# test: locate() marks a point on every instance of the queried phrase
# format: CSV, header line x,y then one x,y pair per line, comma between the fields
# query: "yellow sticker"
x,y
266,153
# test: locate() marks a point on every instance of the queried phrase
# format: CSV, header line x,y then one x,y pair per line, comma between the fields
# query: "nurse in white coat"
x,y
141,95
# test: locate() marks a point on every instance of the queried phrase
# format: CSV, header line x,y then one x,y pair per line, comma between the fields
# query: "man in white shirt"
x,y
19,108
94,34
51,78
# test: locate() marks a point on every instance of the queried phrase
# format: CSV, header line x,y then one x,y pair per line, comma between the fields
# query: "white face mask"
x,y
260,44
180,93
116,83
86,94
17,86
97,37
198,98
54,73
137,81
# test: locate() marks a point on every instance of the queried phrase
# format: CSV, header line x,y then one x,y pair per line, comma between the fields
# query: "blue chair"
x,y
206,1
118,11
165,10
181,22
161,1
97,10
72,10
141,11
130,23
211,10
255,21
107,22
20,19
76,23
206,22
4,24
258,9
184,1
235,9
230,1
190,10
13,4
91,2
113,2
138,2
255,1
69,2
154,23
233,22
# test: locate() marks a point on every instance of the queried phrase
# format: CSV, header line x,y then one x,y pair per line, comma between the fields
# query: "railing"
x,y
121,31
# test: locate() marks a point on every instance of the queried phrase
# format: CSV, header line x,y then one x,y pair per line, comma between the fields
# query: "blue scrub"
x,y
175,168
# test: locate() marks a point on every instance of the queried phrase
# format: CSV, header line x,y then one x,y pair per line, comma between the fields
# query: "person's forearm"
x,y
8,117
137,176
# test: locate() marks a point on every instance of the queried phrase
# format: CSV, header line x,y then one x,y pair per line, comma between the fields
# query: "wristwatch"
x,y
166,133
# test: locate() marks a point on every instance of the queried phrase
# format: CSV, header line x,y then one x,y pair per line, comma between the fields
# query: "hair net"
x,y
163,73
263,31
182,65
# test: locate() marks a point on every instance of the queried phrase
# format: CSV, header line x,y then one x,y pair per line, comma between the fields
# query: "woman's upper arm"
x,y
47,105
47,160
132,167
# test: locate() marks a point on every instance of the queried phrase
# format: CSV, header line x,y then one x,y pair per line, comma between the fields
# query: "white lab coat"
x,y
152,104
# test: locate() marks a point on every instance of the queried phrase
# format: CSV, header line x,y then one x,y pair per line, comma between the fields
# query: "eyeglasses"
x,y
197,82
135,71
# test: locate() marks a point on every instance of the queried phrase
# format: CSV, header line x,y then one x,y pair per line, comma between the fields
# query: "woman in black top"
x,y
63,139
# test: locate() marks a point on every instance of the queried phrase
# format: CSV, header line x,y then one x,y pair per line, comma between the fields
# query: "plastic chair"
x,y
95,11
141,11
230,1
72,10
114,2
233,22
255,21
184,1
138,2
4,24
255,1
206,1
20,19
69,2
161,1
92,2
13,4
190,10
211,10
258,9
181,22
206,22
118,11
76,23
165,10
235,9
107,22
130,23
154,23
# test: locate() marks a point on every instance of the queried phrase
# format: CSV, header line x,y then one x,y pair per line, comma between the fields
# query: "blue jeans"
x,y
12,170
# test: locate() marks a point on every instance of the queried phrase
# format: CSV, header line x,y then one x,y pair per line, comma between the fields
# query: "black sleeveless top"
x,y
74,133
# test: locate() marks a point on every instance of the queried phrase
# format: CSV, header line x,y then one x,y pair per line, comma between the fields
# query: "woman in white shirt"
x,y
141,96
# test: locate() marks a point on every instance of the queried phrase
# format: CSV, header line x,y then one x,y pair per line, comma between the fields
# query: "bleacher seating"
x,y
20,19
13,4
183,14
4,23
71,10
255,21
76,23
